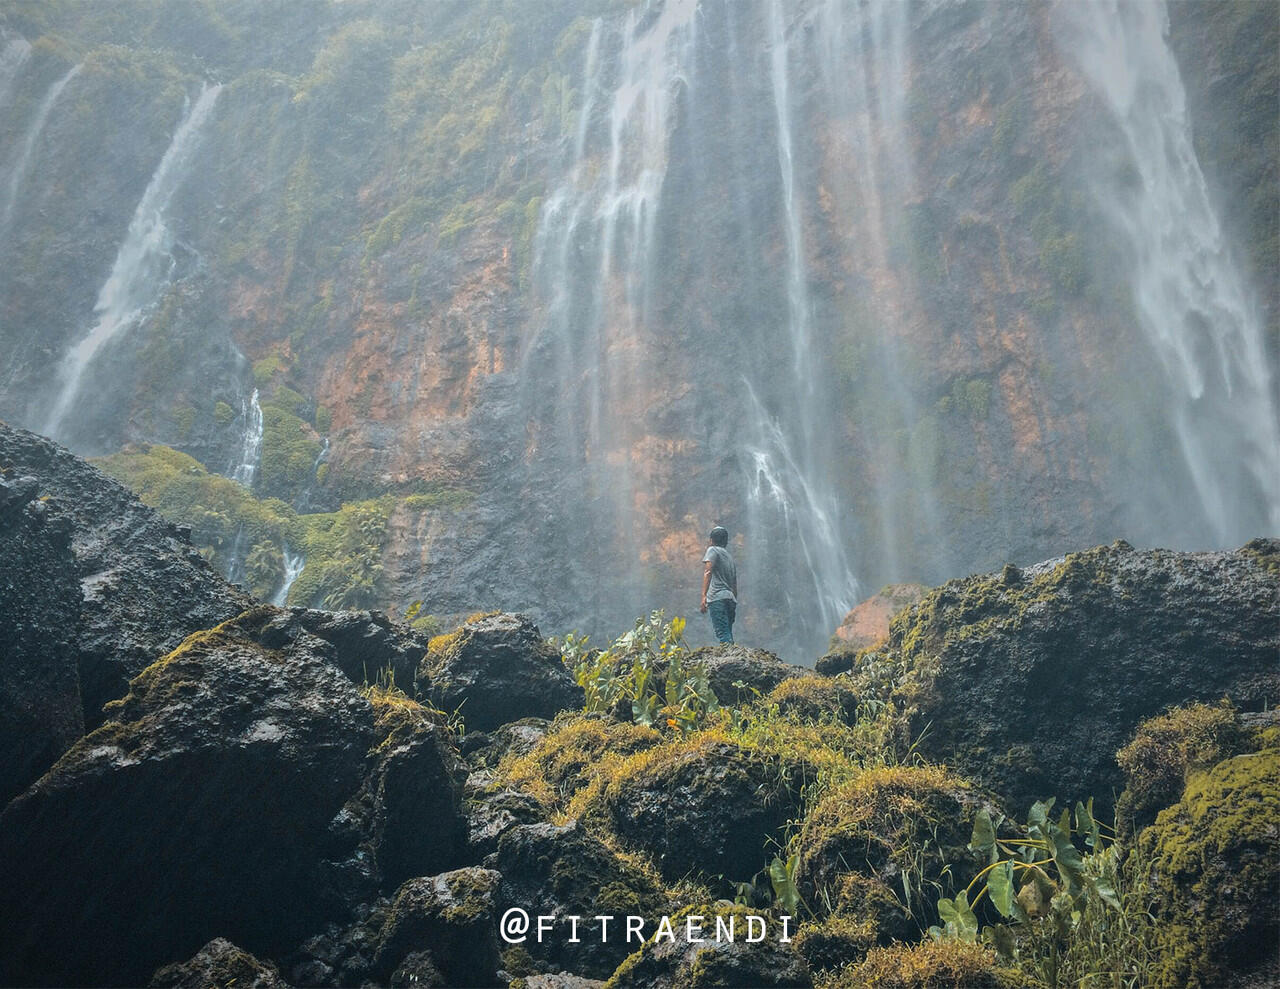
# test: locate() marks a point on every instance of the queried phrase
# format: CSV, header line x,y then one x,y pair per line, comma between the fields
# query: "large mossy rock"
x,y
884,841
41,715
244,788
496,669
454,917
562,871
1214,868
705,951
707,806
219,964
94,586
737,672
1030,680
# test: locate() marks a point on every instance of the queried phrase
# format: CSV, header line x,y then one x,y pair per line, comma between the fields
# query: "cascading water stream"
x,y
13,56
143,264
19,170
594,251
1191,301
293,564
251,443
786,489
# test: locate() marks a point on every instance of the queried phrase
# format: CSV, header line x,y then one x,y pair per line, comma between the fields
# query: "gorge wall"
x,y
538,292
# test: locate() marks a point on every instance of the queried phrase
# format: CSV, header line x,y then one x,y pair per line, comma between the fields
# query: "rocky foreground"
x,y
200,790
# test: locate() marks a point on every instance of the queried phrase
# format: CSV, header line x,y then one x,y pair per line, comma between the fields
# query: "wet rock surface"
x,y
497,669
41,714
219,963
709,808
243,771
561,872
730,664
1031,680
143,586
717,961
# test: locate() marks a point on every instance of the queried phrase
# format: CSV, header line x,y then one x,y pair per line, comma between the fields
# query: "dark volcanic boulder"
x,y
705,951
562,871
219,963
142,587
728,664
244,788
367,645
497,669
40,711
454,917
411,804
1031,680
708,807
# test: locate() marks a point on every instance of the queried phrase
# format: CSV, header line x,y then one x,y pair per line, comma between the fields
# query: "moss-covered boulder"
x,y
713,945
495,669
414,777
222,965
1214,867
1030,680
1166,749
930,965
813,698
706,806
836,941
452,916
739,674
867,625
877,846
243,771
576,751
564,871
200,807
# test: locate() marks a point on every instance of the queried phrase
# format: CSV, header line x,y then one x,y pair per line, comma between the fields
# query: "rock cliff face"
x,y
842,276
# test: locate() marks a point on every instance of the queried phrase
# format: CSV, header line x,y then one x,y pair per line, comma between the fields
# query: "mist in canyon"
x,y
504,305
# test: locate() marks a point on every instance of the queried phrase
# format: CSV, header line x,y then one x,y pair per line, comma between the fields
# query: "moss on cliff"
x,y
343,548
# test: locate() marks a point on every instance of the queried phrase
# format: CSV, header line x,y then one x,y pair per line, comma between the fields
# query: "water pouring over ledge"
x,y
143,264
1198,315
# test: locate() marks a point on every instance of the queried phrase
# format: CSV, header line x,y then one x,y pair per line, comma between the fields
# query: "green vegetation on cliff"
x,y
233,528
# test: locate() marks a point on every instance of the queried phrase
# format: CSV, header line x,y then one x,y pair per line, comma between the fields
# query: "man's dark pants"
x,y
722,613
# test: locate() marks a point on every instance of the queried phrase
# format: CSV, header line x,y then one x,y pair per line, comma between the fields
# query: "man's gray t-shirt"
x,y
724,574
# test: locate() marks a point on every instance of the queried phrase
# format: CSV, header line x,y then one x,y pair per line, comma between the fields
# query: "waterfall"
x,y
787,490
19,170
293,564
13,56
251,444
1197,314
593,262
143,264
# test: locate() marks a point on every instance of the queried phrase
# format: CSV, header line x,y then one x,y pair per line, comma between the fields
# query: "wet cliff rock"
x,y
1031,680
142,586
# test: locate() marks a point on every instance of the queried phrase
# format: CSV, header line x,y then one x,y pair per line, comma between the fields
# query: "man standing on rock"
x,y
720,584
